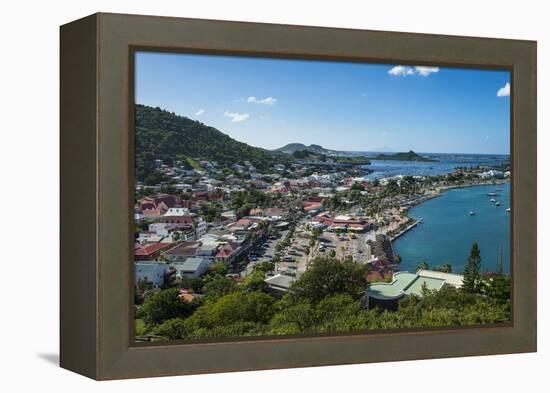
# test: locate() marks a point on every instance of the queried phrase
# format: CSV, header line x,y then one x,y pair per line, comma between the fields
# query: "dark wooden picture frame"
x,y
97,195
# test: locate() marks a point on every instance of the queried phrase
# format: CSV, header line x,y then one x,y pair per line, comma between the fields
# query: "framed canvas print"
x,y
240,196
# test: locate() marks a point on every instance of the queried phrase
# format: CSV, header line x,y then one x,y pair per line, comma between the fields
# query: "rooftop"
x,y
185,249
190,264
454,280
404,283
149,249
281,281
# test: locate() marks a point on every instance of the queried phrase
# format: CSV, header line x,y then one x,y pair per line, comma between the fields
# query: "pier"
x,y
408,228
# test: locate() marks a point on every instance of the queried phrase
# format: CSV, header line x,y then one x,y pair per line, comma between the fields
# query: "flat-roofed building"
x,y
387,295
279,284
451,279
182,251
191,267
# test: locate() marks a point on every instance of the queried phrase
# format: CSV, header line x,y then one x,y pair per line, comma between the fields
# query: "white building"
x,y
200,228
177,211
162,228
451,279
150,271
191,267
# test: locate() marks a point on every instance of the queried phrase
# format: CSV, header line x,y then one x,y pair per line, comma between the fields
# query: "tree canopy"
x,y
472,271
328,276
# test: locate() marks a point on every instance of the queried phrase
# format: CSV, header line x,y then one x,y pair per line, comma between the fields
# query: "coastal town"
x,y
242,225
311,197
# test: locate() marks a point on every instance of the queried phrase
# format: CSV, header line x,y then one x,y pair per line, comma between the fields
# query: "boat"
x,y
497,204
498,189
491,194
493,200
508,210
472,213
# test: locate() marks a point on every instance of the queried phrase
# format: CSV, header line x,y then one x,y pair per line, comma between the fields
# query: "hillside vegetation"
x,y
160,134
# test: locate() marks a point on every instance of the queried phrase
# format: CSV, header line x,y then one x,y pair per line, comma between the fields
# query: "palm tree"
x,y
423,266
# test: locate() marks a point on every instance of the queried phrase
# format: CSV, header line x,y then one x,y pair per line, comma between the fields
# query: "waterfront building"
x,y
387,295
382,248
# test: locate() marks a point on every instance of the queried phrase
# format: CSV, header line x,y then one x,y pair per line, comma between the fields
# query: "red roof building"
x,y
228,253
149,252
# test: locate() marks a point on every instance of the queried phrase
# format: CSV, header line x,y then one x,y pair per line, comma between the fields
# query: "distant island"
x,y
294,147
404,156
308,155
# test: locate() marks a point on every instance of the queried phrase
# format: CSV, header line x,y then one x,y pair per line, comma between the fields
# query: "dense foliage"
x,y
326,298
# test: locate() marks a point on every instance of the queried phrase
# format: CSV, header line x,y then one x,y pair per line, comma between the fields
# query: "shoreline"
x,y
438,194
419,219
407,229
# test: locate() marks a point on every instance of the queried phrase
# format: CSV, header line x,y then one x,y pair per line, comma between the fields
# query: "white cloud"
x,y
264,101
425,71
400,70
504,91
237,117
199,112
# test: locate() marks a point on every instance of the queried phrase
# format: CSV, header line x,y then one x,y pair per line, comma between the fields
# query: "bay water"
x,y
448,230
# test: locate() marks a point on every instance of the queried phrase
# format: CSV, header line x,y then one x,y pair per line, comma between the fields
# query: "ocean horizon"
x,y
446,163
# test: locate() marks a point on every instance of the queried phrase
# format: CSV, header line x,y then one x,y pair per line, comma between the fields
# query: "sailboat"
x,y
493,200
497,204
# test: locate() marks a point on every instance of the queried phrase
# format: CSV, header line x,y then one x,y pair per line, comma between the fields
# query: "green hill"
x,y
160,134
405,156
294,147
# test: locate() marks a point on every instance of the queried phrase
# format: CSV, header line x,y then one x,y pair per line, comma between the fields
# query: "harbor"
x,y
449,229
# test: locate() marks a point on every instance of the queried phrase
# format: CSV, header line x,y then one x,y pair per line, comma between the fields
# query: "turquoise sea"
x,y
448,230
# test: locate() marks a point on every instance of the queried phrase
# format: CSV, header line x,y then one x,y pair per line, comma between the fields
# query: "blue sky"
x,y
343,106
